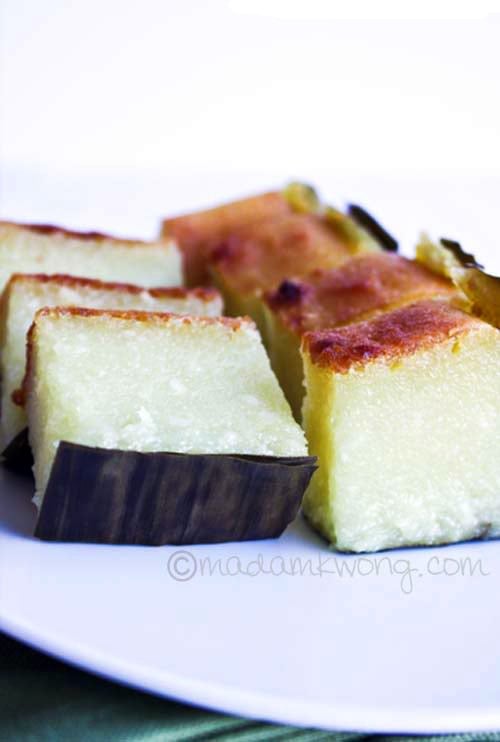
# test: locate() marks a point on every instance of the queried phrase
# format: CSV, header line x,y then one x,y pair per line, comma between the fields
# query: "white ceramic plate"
x,y
405,641
402,650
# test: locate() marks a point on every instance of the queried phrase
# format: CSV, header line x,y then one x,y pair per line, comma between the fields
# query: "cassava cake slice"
x,y
25,294
158,386
403,412
37,248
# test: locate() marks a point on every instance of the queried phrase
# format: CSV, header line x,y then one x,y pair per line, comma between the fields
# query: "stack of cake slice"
x,y
402,377
48,250
149,427
151,418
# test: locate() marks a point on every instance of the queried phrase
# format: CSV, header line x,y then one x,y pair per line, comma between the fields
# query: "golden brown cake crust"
x,y
210,224
261,255
232,323
141,315
198,233
53,230
326,299
160,292
387,336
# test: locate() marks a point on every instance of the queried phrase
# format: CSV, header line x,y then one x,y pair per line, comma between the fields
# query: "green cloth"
x,y
45,700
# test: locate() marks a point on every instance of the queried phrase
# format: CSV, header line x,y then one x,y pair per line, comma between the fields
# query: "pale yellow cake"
x,y
403,412
152,382
35,248
25,294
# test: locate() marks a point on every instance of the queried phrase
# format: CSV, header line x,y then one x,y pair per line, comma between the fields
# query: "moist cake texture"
x,y
403,412
28,248
25,294
152,382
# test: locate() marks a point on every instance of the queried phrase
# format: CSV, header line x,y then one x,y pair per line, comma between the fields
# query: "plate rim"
x,y
256,706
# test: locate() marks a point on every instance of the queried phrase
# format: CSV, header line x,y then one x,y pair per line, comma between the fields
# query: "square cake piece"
x,y
403,412
145,382
359,288
25,294
198,233
35,248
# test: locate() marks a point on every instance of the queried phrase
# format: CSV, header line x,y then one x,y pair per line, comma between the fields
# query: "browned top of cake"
x,y
389,336
53,231
140,315
76,282
152,318
198,233
214,224
367,283
260,256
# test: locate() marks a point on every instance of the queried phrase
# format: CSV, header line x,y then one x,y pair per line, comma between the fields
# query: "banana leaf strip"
x,y
373,227
125,497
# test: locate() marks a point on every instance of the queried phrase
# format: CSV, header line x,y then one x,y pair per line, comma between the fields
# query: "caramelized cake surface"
x,y
259,257
198,233
366,283
404,414
53,230
387,336
250,246
360,287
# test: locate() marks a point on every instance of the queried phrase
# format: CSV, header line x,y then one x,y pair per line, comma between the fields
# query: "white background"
x,y
116,112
